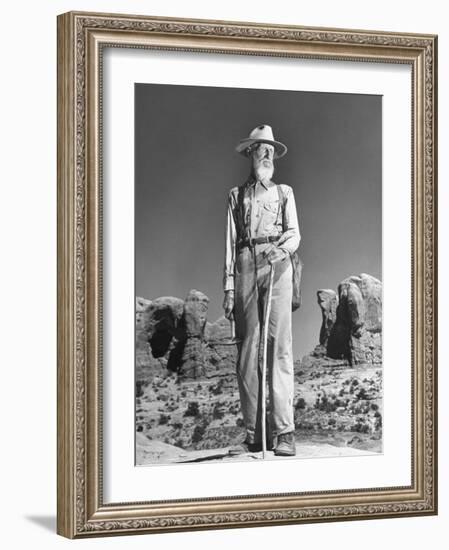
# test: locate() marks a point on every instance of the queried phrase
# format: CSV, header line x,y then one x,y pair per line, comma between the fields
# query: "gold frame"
x,y
81,37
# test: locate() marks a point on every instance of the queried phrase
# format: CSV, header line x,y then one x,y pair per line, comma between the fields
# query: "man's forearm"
x,y
230,243
291,236
228,282
289,241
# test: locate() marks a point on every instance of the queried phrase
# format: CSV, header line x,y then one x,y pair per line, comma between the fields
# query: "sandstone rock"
x,y
222,357
195,313
363,296
142,348
327,300
158,335
164,329
192,364
218,331
352,305
170,334
352,324
371,289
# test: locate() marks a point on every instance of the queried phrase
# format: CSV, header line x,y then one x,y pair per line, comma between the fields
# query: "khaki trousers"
x,y
252,274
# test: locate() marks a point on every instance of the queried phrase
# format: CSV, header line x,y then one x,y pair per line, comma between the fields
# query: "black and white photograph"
x,y
247,274
258,274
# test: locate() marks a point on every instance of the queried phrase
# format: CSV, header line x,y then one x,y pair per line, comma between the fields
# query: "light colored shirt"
x,y
263,216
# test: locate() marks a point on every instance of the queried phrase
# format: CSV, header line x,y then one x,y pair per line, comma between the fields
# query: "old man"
x,y
262,230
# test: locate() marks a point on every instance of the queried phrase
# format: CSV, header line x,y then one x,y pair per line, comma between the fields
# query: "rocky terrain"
x,y
187,402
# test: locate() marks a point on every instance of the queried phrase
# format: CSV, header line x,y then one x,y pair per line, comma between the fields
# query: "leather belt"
x,y
258,240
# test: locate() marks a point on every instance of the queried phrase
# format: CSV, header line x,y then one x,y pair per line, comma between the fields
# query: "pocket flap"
x,y
271,206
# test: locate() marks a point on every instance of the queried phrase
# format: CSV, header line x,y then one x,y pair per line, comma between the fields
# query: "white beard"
x,y
263,173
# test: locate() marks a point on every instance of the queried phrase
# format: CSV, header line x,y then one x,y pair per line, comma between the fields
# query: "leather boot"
x,y
285,445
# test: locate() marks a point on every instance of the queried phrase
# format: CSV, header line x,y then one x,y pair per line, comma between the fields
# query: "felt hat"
x,y
261,134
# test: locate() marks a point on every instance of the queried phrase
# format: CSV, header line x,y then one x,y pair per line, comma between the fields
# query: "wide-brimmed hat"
x,y
261,134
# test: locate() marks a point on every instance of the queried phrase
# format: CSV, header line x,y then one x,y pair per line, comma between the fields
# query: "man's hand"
x,y
275,255
228,304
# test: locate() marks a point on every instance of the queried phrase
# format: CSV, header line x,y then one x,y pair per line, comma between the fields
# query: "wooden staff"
x,y
264,360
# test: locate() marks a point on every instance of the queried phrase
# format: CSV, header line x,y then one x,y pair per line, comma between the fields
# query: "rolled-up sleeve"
x,y
291,236
230,243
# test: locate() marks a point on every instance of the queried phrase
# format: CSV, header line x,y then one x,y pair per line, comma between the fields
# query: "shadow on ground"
x,y
46,522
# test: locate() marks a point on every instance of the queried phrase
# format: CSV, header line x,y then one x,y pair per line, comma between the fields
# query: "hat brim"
x,y
279,148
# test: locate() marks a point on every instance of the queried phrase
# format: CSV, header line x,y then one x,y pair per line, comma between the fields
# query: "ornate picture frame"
x,y
82,40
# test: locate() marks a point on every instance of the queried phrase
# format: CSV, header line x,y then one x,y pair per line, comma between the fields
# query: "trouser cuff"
x,y
286,430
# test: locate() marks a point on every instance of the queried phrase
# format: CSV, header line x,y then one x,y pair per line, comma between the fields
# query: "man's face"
x,y
264,153
262,157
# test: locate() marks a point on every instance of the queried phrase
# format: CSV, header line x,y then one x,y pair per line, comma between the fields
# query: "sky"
x,y
185,164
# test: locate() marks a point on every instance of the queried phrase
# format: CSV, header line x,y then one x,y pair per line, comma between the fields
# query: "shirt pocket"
x,y
271,206
270,211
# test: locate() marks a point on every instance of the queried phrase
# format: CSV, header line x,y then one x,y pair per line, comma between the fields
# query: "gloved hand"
x,y
228,304
275,255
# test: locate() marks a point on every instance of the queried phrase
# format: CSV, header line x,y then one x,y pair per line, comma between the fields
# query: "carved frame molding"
x,y
81,39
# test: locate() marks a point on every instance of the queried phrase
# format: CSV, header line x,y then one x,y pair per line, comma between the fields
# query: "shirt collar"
x,y
252,181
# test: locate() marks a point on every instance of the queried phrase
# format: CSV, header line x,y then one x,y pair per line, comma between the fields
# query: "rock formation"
x,y
218,331
143,356
172,330
161,332
222,357
352,324
327,300
192,361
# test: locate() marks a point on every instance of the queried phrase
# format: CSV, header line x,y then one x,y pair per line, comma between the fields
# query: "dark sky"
x,y
185,164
